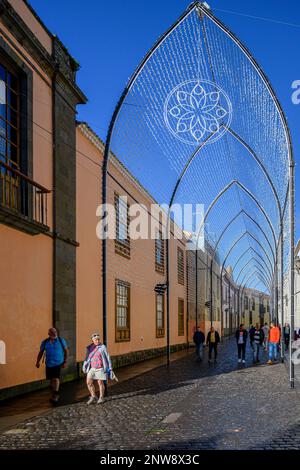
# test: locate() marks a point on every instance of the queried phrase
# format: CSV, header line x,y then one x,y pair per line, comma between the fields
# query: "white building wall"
x,y
286,302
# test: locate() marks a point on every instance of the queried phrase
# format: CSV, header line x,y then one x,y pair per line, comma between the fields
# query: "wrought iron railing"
x,y
19,194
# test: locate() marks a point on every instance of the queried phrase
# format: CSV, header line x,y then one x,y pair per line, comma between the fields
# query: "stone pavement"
x,y
16,410
191,406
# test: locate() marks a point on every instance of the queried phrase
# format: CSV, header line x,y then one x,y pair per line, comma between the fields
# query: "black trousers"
x,y
213,347
287,341
242,351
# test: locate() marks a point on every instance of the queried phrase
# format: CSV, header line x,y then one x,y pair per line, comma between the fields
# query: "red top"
x,y
274,335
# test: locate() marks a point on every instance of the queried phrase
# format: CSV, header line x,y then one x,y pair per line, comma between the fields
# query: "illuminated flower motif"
x,y
194,115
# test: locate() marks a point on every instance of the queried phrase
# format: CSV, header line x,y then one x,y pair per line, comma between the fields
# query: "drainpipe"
x,y
168,297
292,269
54,227
282,290
211,292
196,288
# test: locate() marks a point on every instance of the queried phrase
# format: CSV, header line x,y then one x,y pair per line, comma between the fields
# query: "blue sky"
x,y
110,38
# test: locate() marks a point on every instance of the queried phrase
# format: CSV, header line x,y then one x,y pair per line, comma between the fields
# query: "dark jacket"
x,y
237,336
251,332
286,331
261,335
217,336
198,337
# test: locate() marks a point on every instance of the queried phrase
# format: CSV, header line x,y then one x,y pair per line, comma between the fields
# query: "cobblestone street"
x,y
190,406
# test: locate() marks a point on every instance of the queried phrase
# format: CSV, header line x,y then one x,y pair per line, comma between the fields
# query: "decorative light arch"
x,y
199,17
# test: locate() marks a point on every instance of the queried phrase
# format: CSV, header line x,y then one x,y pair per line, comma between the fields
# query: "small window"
x,y
159,253
122,241
253,303
122,311
180,266
160,316
246,303
250,318
180,317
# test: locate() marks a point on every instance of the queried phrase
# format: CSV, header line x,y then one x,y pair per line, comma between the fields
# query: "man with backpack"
x,y
55,351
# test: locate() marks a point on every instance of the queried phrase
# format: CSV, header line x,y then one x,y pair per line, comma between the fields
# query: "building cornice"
x,y
60,62
98,142
34,13
25,37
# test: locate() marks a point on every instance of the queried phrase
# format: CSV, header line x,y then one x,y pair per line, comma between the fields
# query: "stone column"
x,y
66,95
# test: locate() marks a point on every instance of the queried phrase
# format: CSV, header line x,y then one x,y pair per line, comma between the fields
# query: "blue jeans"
x,y
199,350
256,349
272,351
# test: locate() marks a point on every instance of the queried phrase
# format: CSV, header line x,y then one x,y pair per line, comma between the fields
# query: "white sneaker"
x,y
101,400
244,362
240,360
91,400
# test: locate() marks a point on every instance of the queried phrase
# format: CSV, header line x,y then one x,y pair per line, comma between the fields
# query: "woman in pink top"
x,y
100,366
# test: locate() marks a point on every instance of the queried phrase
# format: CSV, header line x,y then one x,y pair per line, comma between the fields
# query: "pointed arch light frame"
x,y
277,266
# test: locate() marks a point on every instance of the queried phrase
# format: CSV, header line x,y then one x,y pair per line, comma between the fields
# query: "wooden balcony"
x,y
23,202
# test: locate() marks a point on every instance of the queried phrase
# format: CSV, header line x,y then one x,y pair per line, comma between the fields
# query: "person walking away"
x,y
274,340
213,339
266,330
98,367
251,332
241,340
199,340
257,340
55,351
286,335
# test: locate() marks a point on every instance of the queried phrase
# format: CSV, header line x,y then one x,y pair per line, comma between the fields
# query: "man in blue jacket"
x,y
199,339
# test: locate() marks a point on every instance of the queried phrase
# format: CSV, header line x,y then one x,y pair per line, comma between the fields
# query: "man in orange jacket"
x,y
274,340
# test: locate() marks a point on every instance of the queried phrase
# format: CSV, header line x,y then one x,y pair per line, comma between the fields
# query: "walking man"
x,y
241,340
213,339
251,333
257,341
56,352
274,339
199,340
286,334
266,335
